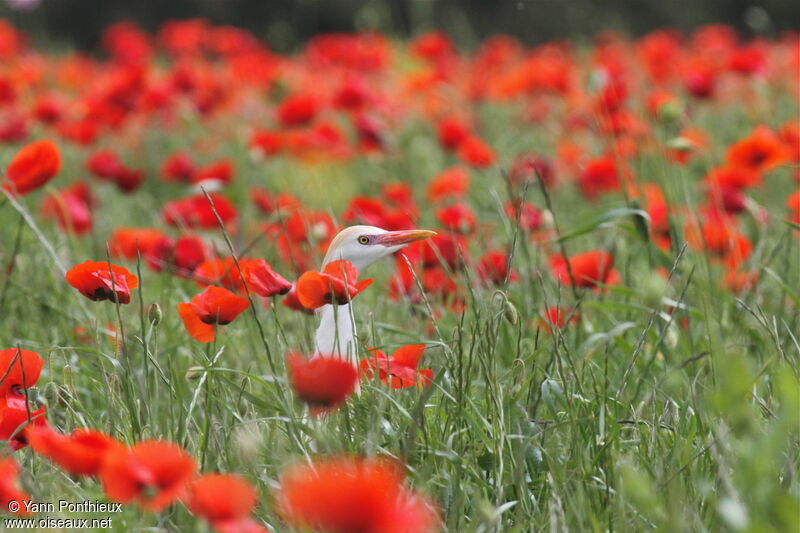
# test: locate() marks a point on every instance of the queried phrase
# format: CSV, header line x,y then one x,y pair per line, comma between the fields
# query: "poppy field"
x,y
383,286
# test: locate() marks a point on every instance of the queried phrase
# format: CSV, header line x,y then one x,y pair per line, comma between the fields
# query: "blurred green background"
x,y
287,23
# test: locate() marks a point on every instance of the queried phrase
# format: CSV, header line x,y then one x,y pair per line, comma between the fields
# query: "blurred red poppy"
x,y
221,271
127,243
19,370
80,453
588,269
10,491
476,153
493,268
263,280
338,282
759,152
458,218
178,167
398,370
344,495
297,109
196,212
71,208
452,182
101,281
556,318
213,306
451,132
32,167
324,383
601,175
182,255
221,171
225,501
152,473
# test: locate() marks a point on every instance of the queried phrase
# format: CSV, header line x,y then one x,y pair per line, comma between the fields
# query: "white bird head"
x,y
363,245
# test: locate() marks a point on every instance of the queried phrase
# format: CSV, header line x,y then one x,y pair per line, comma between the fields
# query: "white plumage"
x,y
361,246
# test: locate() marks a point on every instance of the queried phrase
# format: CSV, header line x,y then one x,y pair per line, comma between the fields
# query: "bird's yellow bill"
x,y
398,238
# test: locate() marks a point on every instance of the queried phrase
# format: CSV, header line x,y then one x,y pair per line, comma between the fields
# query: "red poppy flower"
x,y
793,202
700,78
130,242
398,370
443,248
493,266
47,109
530,219
324,383
94,280
718,235
530,168
293,302
399,193
220,171
13,130
225,501
80,453
32,167
71,208
265,143
297,109
451,132
153,473
737,177
476,153
105,164
178,167
314,227
221,271
17,418
9,488
14,365
600,175
730,199
183,255
556,317
739,282
790,135
19,370
213,306
195,211
449,183
457,217
588,269
432,46
760,152
338,282
343,495
262,280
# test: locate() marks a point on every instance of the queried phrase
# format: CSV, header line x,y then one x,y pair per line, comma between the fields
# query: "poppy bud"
x,y
194,372
653,288
670,112
552,394
154,314
510,313
681,144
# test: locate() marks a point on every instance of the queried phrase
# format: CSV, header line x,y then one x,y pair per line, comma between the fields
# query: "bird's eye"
x,y
363,240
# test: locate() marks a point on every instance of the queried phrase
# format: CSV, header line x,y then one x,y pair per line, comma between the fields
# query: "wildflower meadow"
x,y
377,285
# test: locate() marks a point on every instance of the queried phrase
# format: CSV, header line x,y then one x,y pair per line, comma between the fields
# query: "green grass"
x,y
626,421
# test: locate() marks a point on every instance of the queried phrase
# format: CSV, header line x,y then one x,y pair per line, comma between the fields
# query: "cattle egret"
x,y
361,246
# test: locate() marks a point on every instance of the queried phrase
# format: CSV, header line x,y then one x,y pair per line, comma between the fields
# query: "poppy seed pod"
x,y
154,314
